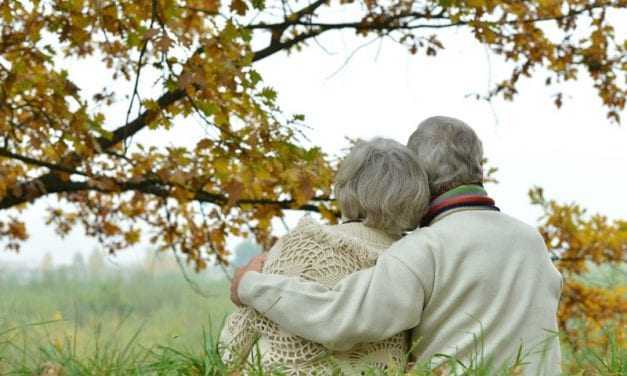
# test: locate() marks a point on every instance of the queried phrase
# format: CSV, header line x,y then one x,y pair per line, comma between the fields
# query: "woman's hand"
x,y
255,265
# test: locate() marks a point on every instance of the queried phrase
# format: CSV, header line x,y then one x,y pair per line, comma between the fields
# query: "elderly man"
x,y
472,283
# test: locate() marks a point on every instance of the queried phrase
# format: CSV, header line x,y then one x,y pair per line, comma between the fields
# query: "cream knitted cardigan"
x,y
324,254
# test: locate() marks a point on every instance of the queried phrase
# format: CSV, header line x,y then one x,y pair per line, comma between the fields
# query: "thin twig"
x,y
192,284
140,65
350,57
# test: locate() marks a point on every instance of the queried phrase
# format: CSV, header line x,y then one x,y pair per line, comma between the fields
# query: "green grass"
x,y
110,324
135,323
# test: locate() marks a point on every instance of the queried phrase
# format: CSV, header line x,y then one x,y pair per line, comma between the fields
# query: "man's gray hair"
x,y
450,151
381,183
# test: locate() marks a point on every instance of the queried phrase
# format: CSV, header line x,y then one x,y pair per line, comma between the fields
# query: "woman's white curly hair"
x,y
381,183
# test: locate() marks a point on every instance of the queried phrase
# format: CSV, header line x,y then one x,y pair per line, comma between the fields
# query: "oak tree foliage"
x,y
253,164
579,241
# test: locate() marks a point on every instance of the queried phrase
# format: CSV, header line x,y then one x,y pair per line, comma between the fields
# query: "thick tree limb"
x,y
129,130
54,184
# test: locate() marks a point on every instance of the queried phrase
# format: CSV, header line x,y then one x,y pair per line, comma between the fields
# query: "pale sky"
x,y
575,153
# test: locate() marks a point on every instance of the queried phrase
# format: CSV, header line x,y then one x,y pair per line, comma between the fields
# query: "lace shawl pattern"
x,y
324,254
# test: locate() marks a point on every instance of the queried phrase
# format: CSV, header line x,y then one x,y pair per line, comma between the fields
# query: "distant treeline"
x,y
98,265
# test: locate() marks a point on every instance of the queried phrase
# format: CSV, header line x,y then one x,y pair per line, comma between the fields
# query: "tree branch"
x,y
36,162
394,22
308,10
54,184
277,46
149,186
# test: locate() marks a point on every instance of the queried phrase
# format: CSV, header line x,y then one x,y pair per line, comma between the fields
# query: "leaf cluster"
x,y
580,243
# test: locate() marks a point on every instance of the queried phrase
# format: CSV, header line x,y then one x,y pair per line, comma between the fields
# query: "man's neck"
x,y
456,189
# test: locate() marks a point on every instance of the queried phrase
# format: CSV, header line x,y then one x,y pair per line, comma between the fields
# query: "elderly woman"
x,y
382,192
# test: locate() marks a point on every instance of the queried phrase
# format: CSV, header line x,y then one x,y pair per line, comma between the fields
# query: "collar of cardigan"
x,y
462,196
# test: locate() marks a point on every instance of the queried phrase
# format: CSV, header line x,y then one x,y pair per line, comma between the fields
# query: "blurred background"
x,y
64,296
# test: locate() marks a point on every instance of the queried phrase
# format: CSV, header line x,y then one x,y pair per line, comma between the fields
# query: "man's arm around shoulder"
x,y
369,305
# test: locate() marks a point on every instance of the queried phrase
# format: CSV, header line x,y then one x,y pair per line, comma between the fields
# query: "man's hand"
x,y
255,265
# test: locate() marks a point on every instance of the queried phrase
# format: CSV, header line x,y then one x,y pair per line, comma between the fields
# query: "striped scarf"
x,y
462,196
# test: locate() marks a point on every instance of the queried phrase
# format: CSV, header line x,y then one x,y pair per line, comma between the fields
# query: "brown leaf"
x,y
151,33
239,7
234,190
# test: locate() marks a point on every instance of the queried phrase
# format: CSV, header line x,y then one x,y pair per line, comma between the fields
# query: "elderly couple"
x,y
424,268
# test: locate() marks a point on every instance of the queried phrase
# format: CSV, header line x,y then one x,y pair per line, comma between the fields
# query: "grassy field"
x,y
59,322
108,323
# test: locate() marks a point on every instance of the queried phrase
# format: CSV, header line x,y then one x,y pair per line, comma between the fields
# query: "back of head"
x,y
450,152
381,183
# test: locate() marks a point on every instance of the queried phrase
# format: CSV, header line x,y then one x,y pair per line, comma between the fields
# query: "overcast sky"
x,y
574,153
